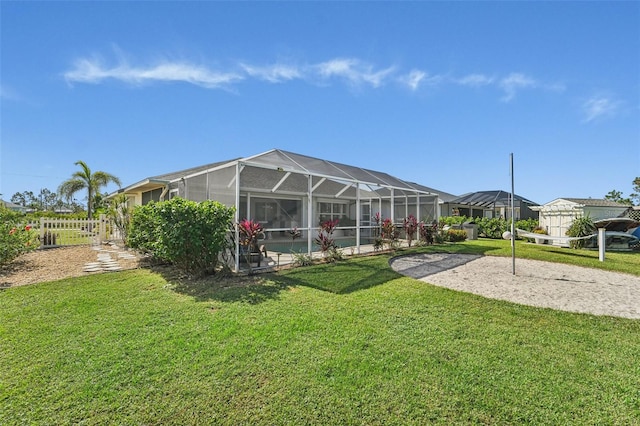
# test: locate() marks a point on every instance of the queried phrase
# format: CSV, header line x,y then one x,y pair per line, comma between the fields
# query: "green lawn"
x,y
351,343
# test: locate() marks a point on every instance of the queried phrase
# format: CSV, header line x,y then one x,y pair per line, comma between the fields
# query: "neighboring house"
x,y
14,207
284,190
443,199
489,204
557,216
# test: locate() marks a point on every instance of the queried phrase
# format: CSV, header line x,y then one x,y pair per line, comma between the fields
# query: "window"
x,y
332,211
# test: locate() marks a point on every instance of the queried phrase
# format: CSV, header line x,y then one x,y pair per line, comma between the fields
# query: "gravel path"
x,y
543,284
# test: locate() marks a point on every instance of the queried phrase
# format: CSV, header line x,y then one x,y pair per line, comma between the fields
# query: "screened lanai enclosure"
x,y
287,192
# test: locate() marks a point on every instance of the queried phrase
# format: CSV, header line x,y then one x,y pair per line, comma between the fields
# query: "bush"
x,y
187,234
15,239
455,235
334,255
492,227
302,259
451,220
527,224
580,227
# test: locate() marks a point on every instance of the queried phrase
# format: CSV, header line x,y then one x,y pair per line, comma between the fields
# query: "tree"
x,y
636,191
86,180
47,199
616,196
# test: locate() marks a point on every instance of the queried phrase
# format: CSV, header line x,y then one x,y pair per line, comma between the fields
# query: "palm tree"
x,y
84,179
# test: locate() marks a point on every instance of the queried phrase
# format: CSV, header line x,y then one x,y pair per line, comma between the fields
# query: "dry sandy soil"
x,y
56,263
543,284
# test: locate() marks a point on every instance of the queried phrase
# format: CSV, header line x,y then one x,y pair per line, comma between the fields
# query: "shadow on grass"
x,y
344,277
223,287
341,277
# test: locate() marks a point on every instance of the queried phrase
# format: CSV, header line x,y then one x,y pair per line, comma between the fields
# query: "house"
x,y
489,204
13,207
557,216
284,191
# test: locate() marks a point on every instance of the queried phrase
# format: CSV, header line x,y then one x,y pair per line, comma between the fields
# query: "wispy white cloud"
x,y
354,71
515,82
417,78
94,71
475,80
276,73
413,79
350,70
600,106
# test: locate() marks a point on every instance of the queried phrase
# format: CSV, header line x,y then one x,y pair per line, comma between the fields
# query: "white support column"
x,y
358,217
393,208
237,220
309,213
602,243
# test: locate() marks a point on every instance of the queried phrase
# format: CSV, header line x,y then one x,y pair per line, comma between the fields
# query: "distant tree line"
x,y
45,200
82,180
632,199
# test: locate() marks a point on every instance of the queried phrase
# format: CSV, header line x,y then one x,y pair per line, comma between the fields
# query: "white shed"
x,y
557,216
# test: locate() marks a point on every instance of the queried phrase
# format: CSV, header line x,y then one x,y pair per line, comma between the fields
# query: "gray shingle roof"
x,y
595,202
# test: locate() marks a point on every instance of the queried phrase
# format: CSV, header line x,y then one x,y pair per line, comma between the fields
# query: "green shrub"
x,y
492,227
187,234
15,239
302,259
455,235
580,227
334,254
527,224
452,220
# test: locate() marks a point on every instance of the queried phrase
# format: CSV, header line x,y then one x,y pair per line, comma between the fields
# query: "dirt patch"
x,y
56,263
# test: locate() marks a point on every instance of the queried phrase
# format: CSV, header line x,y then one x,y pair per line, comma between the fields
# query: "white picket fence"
x,y
71,232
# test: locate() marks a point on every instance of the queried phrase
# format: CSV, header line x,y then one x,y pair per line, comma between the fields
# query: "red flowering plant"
x,y
389,233
428,232
325,236
15,239
410,225
249,232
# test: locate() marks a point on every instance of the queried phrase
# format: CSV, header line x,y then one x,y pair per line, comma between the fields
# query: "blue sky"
x,y
438,93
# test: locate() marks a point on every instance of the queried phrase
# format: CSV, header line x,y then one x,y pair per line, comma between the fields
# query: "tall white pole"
x,y
602,241
513,222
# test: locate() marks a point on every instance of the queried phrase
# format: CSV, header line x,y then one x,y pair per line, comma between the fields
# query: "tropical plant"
x,y
325,236
120,213
248,232
410,225
334,254
86,179
428,232
302,259
580,227
390,233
